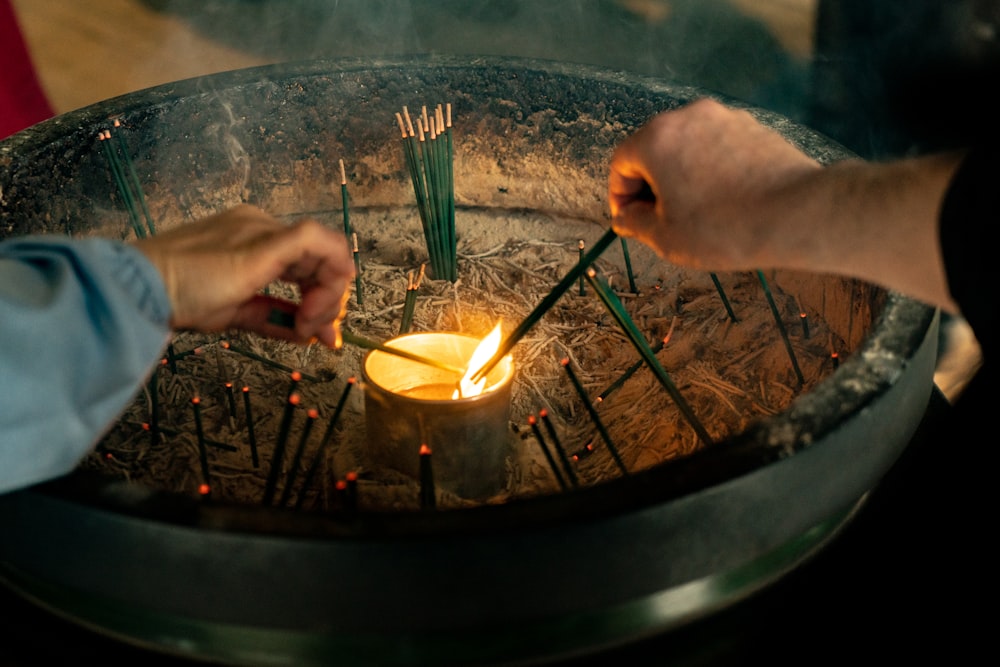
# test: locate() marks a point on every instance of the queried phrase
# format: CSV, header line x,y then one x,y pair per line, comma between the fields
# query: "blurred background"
x,y
880,76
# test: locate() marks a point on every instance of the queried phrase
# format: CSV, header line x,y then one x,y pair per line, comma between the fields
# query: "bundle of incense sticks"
x,y
410,303
429,158
127,181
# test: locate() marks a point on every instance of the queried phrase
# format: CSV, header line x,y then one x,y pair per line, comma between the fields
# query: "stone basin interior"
x,y
531,137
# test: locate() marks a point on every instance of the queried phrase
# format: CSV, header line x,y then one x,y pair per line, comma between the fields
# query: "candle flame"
x,y
482,355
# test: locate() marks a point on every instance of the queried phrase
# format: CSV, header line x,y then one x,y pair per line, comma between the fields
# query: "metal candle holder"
x,y
408,404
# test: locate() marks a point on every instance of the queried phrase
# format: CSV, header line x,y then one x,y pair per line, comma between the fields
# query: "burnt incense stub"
x,y
409,404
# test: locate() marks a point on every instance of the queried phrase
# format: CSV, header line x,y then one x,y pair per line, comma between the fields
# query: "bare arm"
x,y
710,187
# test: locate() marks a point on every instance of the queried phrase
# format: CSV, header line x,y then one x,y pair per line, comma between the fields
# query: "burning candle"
x,y
464,422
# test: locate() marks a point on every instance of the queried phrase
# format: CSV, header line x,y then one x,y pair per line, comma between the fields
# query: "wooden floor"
x,y
86,51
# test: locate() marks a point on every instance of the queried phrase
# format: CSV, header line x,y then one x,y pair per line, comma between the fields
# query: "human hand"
x,y
214,270
701,186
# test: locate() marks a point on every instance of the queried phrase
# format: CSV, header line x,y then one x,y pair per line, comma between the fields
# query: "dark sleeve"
x,y
971,207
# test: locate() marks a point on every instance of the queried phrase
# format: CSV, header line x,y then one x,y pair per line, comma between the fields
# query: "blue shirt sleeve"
x,y
82,323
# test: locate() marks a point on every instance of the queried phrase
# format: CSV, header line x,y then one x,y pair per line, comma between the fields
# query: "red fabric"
x,y
22,100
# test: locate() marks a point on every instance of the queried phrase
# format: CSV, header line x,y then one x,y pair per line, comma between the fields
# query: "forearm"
x,y
878,222
82,323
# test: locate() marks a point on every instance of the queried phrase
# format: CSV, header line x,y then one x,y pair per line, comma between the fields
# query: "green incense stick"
x,y
368,344
293,469
344,201
278,455
546,303
630,371
596,418
134,177
123,189
428,498
324,443
557,443
781,326
628,267
250,434
359,297
202,450
617,310
722,294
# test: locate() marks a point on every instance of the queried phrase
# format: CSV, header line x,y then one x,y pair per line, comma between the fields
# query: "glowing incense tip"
x,y
427,496
294,399
835,358
805,325
532,421
204,489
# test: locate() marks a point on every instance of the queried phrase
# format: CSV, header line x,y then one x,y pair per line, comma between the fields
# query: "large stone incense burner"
x,y
660,518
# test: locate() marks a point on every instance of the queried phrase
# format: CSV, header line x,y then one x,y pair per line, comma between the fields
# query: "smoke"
x,y
712,44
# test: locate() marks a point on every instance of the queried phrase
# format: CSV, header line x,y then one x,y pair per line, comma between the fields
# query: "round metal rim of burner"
x,y
528,581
